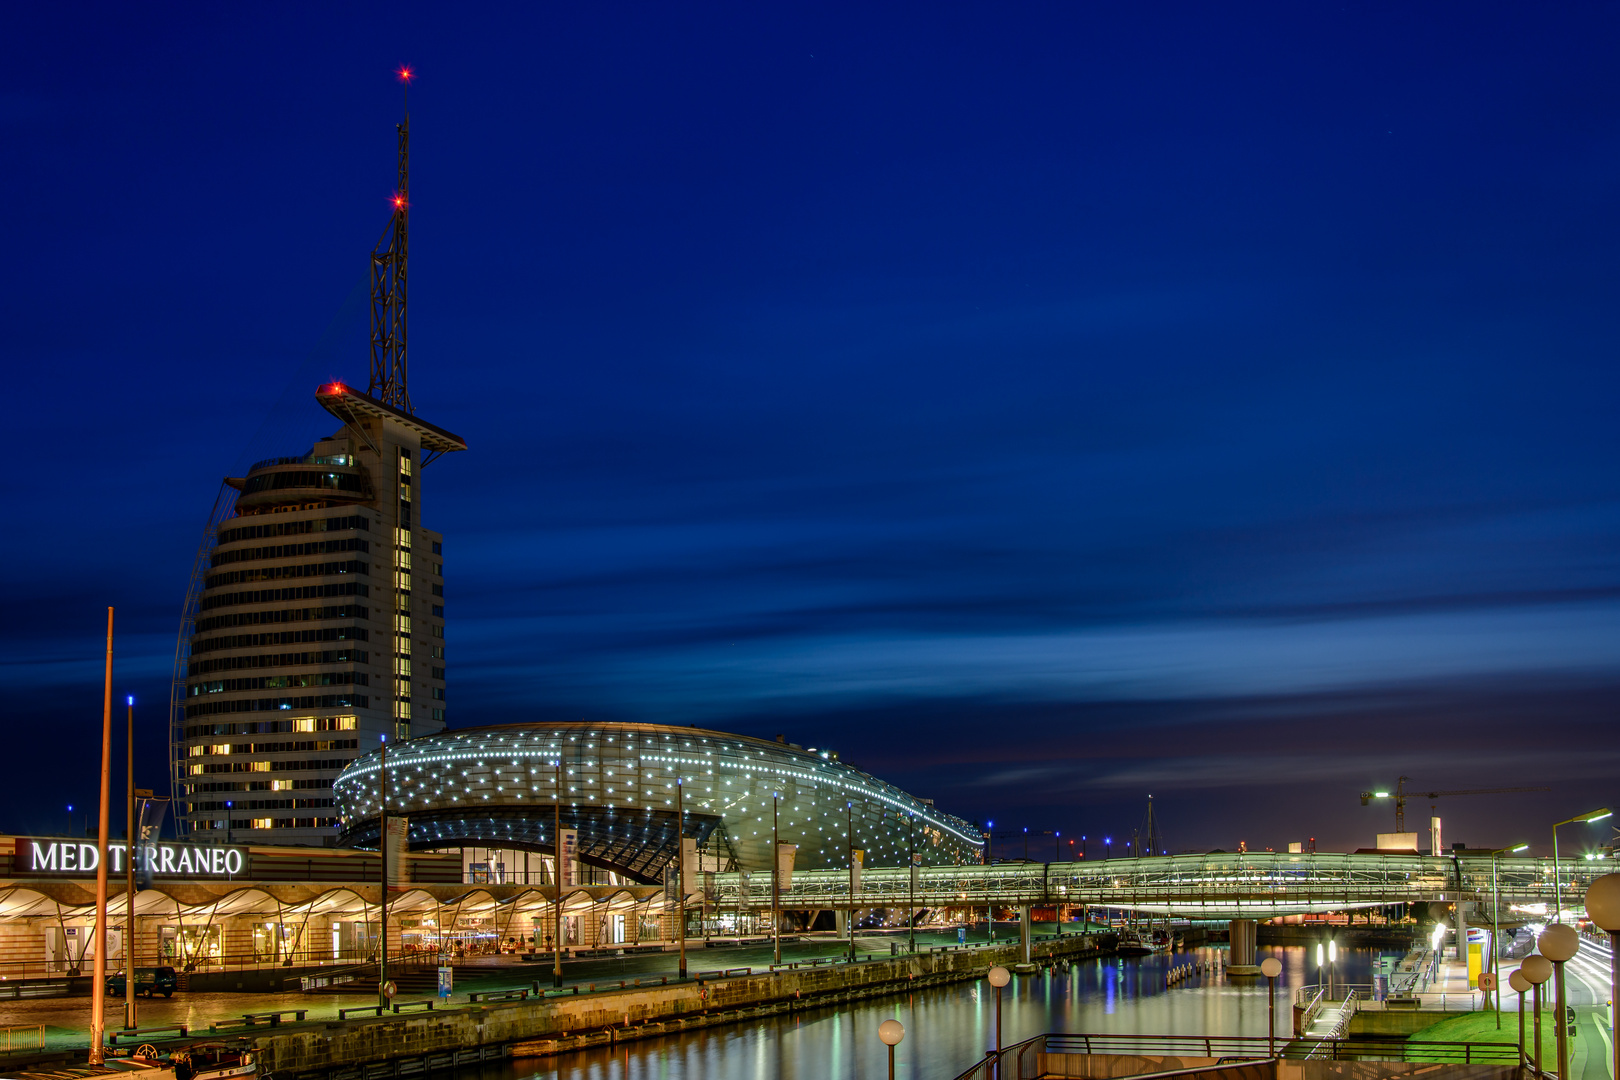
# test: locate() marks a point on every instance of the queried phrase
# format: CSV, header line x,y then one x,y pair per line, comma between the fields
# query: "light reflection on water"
x,y
948,1028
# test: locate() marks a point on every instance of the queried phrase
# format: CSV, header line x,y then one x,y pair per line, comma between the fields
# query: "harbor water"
x,y
948,1028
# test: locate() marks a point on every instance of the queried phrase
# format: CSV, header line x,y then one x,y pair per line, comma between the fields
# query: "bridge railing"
x,y
1261,881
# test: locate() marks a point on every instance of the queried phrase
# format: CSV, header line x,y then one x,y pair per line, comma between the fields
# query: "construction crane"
x,y
1401,795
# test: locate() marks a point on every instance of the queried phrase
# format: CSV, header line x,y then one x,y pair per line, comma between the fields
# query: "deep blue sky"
x,y
1046,406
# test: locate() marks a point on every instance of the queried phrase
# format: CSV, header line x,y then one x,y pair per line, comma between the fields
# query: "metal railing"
x,y
1347,1010
1339,991
1022,1061
37,1030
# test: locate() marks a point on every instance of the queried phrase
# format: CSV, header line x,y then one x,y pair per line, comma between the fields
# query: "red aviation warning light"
x,y
405,73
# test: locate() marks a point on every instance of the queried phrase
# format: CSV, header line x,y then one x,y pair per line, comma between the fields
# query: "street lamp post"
x,y
1496,926
891,1032
557,875
1591,816
1560,943
911,886
999,977
989,907
1603,905
1536,969
1520,984
1271,967
130,852
776,890
849,844
680,869
382,848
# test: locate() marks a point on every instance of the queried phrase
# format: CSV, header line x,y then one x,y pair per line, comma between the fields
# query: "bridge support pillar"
x,y
1241,961
1023,932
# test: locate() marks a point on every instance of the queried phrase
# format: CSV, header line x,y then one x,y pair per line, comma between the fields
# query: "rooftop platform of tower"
x,y
351,406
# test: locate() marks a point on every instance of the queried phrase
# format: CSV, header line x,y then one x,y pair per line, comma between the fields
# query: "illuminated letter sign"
x,y
72,858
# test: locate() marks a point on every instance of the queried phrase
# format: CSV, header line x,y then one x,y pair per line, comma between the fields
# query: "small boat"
x,y
199,1061
213,1061
1132,943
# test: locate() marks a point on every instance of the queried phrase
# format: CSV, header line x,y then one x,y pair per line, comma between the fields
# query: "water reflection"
x,y
950,1027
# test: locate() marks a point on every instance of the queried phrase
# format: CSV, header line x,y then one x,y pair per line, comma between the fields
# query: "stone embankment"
x,y
411,1044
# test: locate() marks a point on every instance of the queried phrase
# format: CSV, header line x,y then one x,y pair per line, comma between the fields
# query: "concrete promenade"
x,y
592,996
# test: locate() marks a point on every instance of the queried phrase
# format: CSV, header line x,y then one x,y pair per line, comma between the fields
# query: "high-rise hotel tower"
x,y
315,620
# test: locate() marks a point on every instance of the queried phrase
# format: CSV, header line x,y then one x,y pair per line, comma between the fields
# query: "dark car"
x,y
149,981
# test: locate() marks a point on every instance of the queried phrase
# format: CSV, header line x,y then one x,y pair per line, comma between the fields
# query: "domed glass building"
x,y
498,787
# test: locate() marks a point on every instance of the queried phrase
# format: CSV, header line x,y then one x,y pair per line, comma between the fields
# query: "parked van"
x,y
149,981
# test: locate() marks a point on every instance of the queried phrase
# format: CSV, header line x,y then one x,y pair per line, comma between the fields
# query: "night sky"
x,y
1044,406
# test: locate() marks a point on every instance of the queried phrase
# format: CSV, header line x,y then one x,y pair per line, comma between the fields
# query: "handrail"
x,y
1240,1047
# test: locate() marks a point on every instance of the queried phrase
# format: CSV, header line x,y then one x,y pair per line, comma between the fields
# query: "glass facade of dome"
x,y
499,786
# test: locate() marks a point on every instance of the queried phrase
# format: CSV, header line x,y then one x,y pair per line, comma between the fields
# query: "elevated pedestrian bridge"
x,y
1219,886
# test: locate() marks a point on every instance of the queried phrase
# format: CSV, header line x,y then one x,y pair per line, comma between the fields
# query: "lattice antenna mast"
x,y
388,261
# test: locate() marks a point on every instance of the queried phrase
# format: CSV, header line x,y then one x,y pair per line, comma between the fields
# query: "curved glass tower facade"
x,y
315,626
499,786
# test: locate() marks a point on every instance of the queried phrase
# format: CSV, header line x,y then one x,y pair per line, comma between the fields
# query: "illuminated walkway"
x,y
1254,886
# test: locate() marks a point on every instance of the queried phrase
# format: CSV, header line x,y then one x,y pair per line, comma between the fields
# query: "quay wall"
x,y
413,1043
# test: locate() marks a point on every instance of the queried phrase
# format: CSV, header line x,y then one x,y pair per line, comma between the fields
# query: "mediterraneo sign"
x,y
77,858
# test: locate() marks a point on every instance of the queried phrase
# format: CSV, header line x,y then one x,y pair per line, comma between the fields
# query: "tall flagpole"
x,y
98,989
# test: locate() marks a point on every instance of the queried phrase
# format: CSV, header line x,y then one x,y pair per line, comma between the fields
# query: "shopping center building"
x,y
614,788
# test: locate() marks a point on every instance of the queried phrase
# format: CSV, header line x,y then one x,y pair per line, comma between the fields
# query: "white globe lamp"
x,y
999,977
1271,967
1559,943
891,1032
1603,907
